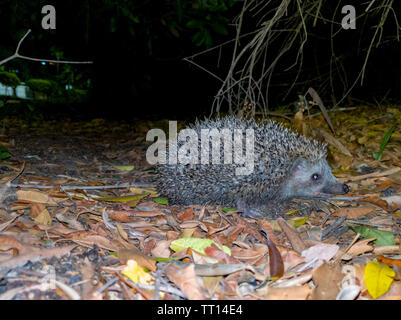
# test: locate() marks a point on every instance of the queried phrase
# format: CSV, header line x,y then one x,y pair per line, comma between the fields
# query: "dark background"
x,y
138,48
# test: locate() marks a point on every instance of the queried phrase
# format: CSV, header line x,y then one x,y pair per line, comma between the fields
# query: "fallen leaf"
x,y
327,279
186,214
44,218
32,196
378,278
382,237
136,273
185,278
162,249
352,213
196,244
390,262
323,252
134,254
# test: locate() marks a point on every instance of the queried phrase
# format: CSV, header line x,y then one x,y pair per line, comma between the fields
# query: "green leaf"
x,y
122,168
158,259
4,153
161,200
194,24
225,210
383,238
219,28
198,38
208,39
196,244
386,138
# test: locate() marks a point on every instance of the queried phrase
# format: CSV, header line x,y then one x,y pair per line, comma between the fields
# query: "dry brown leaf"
x,y
135,254
88,273
393,201
147,214
323,252
214,252
44,218
249,254
33,253
387,250
186,279
101,242
388,261
264,224
327,279
187,233
36,209
121,231
211,284
376,201
8,242
360,247
120,216
162,249
385,183
193,224
292,235
250,228
34,197
352,213
214,227
333,141
187,214
290,257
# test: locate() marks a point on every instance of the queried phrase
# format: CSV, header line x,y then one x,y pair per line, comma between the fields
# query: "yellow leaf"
x,y
136,273
378,278
150,191
299,221
187,233
292,212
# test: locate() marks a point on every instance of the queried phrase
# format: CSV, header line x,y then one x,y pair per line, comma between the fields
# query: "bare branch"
x,y
17,55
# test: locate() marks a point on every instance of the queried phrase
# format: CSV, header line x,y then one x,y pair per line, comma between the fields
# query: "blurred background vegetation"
x,y
138,49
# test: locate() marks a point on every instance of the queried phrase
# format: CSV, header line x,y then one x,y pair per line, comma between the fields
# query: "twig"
x,y
65,187
17,55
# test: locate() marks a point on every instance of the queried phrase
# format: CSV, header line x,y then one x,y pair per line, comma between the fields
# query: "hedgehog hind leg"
x,y
253,211
272,210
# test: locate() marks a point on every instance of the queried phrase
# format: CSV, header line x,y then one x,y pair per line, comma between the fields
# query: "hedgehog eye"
x,y
315,176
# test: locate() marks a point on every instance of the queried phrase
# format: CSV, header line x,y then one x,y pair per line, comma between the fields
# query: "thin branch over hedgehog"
x,y
286,166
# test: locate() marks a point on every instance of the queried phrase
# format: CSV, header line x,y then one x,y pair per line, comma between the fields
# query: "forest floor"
x,y
77,224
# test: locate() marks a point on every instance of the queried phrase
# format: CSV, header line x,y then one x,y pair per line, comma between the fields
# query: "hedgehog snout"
x,y
345,188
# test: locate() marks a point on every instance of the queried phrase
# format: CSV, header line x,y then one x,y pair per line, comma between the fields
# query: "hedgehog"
x,y
283,166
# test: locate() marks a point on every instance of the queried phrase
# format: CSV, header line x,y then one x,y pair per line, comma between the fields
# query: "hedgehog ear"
x,y
299,164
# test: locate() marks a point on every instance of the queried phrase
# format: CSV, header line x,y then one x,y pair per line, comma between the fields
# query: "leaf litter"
x,y
77,224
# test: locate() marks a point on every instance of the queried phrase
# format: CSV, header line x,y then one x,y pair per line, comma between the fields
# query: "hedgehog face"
x,y
309,179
